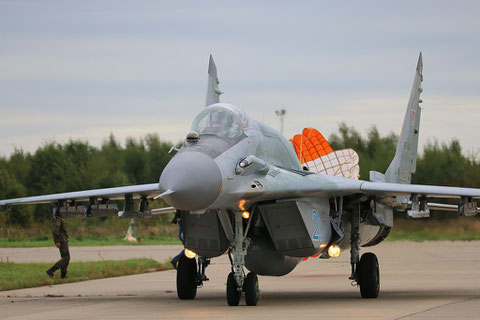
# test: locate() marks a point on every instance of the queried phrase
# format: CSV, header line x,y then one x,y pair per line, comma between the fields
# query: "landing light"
x,y
334,251
246,214
241,204
190,254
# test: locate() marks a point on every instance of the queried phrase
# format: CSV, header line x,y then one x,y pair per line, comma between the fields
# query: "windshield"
x,y
219,122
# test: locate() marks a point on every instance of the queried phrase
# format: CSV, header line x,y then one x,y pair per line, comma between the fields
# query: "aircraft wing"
x,y
300,185
397,189
388,191
338,186
138,191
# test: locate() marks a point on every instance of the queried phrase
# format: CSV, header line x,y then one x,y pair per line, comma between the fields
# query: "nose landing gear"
x,y
236,282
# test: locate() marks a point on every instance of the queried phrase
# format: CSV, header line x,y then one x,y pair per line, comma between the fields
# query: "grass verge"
x,y
454,229
420,236
29,275
82,242
447,229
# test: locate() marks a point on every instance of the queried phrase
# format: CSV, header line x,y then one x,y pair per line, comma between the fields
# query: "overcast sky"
x,y
85,69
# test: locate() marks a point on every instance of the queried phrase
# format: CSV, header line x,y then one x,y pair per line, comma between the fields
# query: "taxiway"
x,y
428,280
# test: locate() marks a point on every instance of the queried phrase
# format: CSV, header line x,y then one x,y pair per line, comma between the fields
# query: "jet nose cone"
x,y
193,180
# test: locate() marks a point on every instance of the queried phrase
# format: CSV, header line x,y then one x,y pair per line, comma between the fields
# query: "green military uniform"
x,y
60,236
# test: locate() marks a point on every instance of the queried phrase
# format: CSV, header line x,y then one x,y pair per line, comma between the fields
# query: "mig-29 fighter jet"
x,y
239,188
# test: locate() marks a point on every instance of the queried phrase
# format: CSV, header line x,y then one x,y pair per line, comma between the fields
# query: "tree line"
x,y
76,165
444,164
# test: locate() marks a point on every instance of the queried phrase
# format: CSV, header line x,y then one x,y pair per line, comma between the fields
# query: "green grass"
x,y
452,229
89,232
82,242
154,232
29,275
420,236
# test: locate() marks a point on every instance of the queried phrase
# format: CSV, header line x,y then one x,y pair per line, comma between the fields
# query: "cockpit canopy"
x,y
222,120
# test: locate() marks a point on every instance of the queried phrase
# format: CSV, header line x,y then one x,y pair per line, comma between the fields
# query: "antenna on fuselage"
x,y
281,114
213,92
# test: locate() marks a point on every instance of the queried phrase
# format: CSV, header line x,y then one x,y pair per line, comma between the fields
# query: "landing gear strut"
x,y
236,281
202,265
365,271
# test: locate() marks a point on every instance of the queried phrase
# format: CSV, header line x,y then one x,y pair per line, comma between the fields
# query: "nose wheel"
x,y
233,294
250,288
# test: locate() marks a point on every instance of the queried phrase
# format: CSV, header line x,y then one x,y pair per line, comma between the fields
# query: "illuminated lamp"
x,y
189,254
334,251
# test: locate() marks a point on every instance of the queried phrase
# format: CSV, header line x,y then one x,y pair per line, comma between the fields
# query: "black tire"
x,y
369,276
233,296
186,278
250,287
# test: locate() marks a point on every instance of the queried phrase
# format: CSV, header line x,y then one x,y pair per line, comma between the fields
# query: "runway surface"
x,y
435,280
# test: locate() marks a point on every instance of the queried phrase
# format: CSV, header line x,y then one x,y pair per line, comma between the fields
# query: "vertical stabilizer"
x,y
213,93
405,161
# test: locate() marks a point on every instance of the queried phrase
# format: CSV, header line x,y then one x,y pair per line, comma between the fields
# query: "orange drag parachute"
x,y
314,152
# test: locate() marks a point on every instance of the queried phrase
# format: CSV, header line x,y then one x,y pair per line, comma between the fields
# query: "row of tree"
x,y
439,163
77,165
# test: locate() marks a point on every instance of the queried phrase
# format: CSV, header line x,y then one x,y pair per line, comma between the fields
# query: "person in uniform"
x,y
178,220
60,237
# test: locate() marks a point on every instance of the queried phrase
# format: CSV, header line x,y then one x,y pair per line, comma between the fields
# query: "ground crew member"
x,y
178,220
60,237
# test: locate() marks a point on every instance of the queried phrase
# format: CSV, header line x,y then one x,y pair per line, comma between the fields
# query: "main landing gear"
x,y
237,283
369,275
186,275
365,271
188,278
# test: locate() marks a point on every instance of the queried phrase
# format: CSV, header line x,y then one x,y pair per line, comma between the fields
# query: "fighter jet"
x,y
240,188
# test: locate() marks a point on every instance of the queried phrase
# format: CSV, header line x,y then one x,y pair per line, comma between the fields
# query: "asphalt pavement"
x,y
430,280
